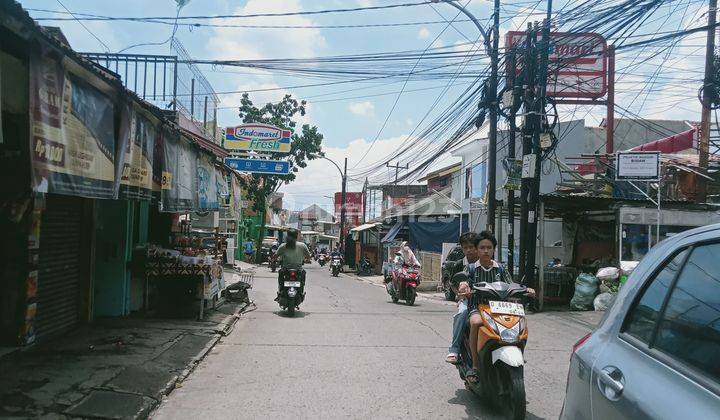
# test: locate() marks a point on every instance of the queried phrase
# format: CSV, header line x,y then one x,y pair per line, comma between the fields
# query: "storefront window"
x,y
638,239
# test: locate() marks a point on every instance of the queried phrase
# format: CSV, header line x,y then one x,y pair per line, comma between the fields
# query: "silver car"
x,y
656,352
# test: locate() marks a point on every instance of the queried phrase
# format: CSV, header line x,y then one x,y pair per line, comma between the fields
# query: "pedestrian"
x,y
249,251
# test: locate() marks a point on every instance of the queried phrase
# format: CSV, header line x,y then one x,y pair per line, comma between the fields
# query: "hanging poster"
x,y
72,139
179,175
207,185
136,179
236,201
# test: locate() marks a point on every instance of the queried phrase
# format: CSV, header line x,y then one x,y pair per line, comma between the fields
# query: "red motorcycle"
x,y
403,284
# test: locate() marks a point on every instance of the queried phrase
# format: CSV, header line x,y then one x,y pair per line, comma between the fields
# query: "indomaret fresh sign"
x,y
257,137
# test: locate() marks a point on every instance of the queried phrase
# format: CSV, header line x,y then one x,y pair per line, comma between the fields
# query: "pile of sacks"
x,y
598,292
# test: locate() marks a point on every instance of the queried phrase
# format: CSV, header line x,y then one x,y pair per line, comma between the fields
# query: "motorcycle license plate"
x,y
292,284
506,308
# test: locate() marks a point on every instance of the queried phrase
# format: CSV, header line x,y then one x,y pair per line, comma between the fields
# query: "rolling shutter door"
x,y
60,265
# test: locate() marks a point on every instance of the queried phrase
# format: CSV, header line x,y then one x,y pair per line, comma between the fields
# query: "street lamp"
x,y
343,175
491,46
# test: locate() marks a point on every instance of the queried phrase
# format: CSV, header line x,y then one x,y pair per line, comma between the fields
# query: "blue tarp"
x,y
429,236
393,232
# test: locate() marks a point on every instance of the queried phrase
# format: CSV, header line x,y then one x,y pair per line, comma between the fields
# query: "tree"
x,y
304,146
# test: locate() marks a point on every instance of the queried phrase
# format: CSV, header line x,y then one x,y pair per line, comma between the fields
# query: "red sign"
x,y
578,63
353,207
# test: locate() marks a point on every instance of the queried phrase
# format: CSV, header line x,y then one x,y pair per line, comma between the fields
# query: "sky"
x,y
359,121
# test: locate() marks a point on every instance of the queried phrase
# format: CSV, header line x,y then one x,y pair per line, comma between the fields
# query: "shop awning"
x,y
393,232
330,237
366,226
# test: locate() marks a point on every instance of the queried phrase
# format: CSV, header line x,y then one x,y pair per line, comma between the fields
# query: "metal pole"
x,y
192,100
205,115
175,78
529,81
492,137
704,143
610,118
541,264
342,209
659,212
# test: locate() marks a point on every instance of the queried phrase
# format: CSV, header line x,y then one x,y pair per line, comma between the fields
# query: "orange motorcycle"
x,y
501,342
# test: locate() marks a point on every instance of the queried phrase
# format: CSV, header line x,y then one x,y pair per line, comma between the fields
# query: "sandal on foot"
x,y
452,358
472,376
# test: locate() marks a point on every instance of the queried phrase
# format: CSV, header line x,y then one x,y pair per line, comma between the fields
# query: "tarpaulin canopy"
x,y
366,226
393,232
429,236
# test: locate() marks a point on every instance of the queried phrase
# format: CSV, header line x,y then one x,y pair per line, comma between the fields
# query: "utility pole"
x,y
708,92
492,137
397,167
529,89
365,188
342,209
516,90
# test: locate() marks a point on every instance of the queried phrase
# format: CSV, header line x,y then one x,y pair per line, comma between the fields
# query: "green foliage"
x,y
305,145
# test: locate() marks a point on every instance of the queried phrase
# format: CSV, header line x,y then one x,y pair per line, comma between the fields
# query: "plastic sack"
x,y
608,274
586,287
603,301
627,267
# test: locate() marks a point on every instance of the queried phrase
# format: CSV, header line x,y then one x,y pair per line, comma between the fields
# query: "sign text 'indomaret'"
x,y
257,137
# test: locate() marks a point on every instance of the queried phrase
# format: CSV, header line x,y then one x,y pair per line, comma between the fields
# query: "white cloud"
x,y
254,44
365,108
424,33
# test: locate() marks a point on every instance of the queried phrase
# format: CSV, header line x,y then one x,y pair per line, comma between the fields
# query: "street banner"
x,y
207,184
257,137
577,65
259,166
179,174
72,137
138,135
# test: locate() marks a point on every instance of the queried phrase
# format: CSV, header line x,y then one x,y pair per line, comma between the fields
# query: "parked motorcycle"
x,y
336,266
291,293
322,259
501,343
403,284
365,267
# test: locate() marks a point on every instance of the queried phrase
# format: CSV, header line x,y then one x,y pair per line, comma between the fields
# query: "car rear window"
x,y
645,314
690,327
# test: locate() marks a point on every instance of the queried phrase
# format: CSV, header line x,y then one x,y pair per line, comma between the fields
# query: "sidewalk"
x,y
114,368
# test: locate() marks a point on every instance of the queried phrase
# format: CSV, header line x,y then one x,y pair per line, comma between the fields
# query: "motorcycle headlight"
x,y
510,335
488,320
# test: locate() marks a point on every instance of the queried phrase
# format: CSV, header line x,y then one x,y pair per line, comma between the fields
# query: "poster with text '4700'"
x,y
72,141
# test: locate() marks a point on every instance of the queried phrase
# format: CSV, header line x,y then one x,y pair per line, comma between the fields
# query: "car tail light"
x,y
293,274
580,342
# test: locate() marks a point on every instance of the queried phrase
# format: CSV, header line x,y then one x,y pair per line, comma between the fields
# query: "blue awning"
x,y
393,232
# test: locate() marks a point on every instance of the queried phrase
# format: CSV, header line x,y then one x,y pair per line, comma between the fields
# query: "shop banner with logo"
x,y
138,134
72,138
207,184
179,175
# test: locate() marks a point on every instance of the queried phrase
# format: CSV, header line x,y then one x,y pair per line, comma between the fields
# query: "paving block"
x,y
112,405
148,380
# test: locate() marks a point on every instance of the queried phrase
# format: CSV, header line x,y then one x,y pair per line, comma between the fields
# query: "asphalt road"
x,y
351,353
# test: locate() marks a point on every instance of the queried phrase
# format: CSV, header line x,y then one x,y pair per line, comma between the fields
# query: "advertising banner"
x,y
578,63
138,136
637,166
207,184
72,138
257,137
179,175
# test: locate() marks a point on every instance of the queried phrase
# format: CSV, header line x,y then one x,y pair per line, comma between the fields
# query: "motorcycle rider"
x,y
469,242
293,254
484,269
408,255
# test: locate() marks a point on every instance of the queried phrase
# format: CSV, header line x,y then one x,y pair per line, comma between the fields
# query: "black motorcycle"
x,y
322,259
335,266
291,289
365,267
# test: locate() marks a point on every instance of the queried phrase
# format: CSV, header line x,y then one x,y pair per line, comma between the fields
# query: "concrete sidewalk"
x,y
114,368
